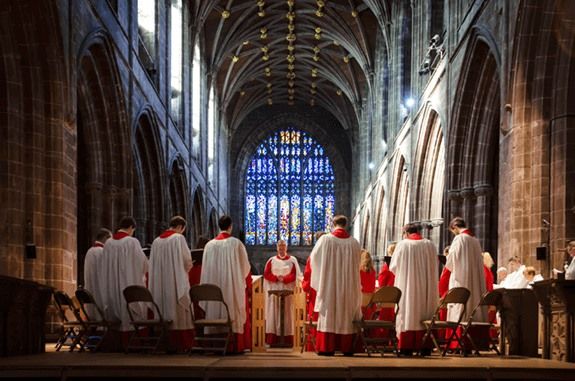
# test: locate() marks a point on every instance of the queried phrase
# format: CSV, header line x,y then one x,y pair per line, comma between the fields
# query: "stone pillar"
x,y
468,195
483,194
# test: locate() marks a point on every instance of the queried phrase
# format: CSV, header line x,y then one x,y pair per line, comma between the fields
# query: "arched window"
x,y
196,101
289,190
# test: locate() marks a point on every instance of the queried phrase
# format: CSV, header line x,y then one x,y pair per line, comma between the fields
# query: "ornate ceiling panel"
x,y
302,53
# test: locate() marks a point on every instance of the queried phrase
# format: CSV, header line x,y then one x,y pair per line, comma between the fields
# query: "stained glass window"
x,y
289,190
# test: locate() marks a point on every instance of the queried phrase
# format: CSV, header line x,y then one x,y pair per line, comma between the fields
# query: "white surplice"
x,y
335,276
465,261
414,263
225,264
170,261
92,276
124,264
280,267
570,271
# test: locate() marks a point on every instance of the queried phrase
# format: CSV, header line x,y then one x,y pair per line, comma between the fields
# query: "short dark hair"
x,y
225,222
127,222
457,222
412,227
177,221
340,220
103,234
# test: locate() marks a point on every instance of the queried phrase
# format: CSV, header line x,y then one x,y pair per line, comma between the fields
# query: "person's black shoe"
x,y
325,353
348,354
406,352
426,352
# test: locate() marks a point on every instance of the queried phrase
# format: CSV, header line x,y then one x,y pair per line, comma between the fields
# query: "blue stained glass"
x,y
307,232
272,219
250,218
262,220
289,190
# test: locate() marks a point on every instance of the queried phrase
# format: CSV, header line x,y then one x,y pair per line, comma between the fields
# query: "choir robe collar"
x,y
414,236
222,236
120,235
467,231
284,258
340,233
98,244
167,234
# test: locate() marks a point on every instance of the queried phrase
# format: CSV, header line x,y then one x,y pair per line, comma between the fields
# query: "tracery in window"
x,y
289,190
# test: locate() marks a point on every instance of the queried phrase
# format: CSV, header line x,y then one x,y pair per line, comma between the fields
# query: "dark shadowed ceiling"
x,y
300,53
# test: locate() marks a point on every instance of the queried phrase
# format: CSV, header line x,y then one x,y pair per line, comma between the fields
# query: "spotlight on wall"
x,y
370,166
409,102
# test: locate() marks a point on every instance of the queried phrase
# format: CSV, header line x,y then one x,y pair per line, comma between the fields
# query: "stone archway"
x,y
178,190
149,210
400,205
429,173
103,159
473,144
198,217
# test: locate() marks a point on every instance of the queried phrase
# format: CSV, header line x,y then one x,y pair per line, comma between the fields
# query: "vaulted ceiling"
x,y
300,53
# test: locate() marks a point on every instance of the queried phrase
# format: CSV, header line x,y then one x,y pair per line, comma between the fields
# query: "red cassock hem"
x,y
331,342
412,340
273,339
181,340
480,335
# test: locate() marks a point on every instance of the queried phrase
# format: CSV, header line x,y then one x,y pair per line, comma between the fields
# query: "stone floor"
x,y
278,365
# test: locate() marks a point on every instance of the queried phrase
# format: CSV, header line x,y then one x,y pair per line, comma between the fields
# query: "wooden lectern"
x,y
281,294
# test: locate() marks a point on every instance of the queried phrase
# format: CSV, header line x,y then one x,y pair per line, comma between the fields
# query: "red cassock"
x,y
310,303
385,279
367,289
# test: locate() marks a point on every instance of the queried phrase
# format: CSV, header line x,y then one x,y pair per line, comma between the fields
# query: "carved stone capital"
x,y
483,190
454,195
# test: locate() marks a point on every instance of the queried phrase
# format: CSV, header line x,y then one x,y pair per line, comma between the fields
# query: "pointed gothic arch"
x,y
400,203
379,224
429,173
213,227
149,210
198,223
473,148
103,159
178,190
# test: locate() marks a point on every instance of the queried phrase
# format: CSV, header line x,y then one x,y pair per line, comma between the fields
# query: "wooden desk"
x,y
557,300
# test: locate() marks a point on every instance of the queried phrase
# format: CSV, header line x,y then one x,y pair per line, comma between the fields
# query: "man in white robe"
x,y
415,265
124,264
170,261
570,270
465,261
515,278
281,273
334,263
225,263
93,270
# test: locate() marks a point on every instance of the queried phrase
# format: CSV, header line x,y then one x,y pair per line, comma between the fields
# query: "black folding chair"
x,y
208,342
70,322
455,296
491,300
150,327
369,330
96,326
